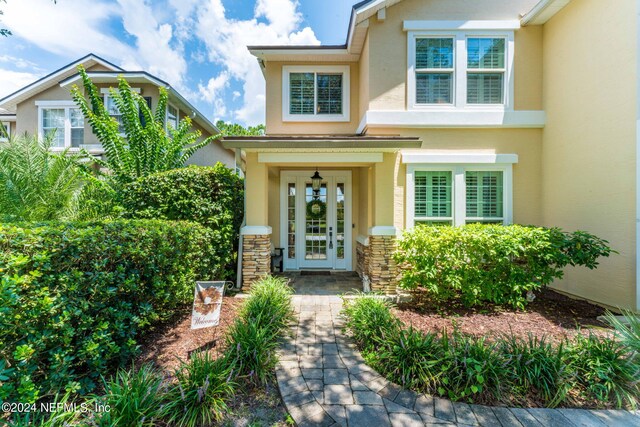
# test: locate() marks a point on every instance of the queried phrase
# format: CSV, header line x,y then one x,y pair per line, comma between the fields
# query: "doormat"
x,y
315,273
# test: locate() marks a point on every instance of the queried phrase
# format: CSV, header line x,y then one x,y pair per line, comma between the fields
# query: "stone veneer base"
x,y
256,258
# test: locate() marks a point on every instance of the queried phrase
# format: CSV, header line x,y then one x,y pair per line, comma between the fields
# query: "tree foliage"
x,y
37,184
234,129
147,145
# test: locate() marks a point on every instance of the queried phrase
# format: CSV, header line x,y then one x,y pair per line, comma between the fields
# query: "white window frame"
x,y
345,70
106,92
459,95
59,105
166,119
459,190
7,126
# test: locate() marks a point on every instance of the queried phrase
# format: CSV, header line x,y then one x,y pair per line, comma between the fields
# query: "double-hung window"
x,y
62,122
319,93
172,116
112,108
460,70
457,195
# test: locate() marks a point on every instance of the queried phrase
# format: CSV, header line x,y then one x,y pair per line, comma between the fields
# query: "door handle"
x,y
330,237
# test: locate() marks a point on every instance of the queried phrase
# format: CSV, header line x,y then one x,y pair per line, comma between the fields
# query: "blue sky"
x,y
196,45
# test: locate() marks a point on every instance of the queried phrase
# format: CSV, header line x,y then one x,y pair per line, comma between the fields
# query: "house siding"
x,y
589,154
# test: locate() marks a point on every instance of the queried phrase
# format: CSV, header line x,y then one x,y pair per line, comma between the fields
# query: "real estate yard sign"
x,y
207,303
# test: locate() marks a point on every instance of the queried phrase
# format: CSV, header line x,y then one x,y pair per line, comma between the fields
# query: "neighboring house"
x,y
46,106
449,112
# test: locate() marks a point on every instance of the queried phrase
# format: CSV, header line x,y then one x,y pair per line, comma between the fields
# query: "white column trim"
x,y
383,230
256,230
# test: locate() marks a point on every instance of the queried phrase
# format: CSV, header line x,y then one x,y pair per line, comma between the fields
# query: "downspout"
x,y
244,219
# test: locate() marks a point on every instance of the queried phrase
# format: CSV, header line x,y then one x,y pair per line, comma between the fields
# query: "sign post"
x,y
207,303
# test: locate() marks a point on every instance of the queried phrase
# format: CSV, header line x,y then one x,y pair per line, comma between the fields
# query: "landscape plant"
x,y
37,184
141,143
75,297
477,264
506,370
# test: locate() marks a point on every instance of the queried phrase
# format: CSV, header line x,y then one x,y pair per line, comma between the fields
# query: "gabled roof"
x,y
9,102
134,77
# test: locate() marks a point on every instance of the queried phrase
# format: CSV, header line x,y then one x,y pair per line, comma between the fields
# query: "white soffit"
x,y
320,158
543,11
409,157
460,25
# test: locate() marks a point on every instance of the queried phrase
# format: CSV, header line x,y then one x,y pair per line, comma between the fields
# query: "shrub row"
x,y
200,389
74,297
512,371
211,196
491,263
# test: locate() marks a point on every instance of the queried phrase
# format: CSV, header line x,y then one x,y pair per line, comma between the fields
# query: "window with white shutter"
x,y
485,198
485,70
315,93
434,70
433,197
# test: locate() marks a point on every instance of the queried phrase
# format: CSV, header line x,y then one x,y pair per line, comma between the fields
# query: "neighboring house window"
x,y
460,69
459,195
63,122
5,131
318,93
112,108
172,116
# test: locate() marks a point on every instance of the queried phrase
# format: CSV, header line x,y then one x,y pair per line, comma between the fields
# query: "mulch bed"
x,y
551,314
173,341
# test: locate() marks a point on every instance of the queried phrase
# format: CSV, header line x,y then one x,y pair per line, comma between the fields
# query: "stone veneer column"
x,y
256,256
382,270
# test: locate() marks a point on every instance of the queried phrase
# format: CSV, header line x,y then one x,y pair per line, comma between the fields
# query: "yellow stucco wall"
x,y
588,157
388,48
364,80
274,123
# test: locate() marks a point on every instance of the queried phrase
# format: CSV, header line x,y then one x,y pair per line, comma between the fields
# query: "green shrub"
x,y
411,358
603,371
628,333
135,399
75,296
538,369
199,397
253,338
491,263
211,196
369,320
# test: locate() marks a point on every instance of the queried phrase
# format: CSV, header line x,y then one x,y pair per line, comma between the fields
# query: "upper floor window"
x,y
318,93
172,116
112,108
460,69
61,121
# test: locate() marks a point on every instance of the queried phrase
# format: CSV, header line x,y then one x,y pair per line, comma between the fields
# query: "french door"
x,y
315,226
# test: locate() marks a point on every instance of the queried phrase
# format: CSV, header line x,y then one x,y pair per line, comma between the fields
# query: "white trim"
x,y
409,157
461,25
256,230
452,119
345,70
363,240
383,230
8,117
56,104
543,11
460,70
459,195
300,177
7,126
317,158
382,14
166,118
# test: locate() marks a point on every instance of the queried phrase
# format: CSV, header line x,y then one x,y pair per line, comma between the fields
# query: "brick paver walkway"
x,y
324,381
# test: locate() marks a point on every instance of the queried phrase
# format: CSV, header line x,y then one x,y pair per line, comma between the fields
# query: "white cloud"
x,y
212,93
226,40
14,80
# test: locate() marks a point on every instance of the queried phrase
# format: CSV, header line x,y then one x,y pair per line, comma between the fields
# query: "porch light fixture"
x,y
316,182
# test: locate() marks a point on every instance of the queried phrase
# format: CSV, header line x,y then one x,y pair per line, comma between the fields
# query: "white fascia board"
x,y
8,118
320,158
543,11
453,119
256,230
461,25
113,77
412,157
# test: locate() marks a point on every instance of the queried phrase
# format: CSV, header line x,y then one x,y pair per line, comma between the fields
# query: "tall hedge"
x,y
491,263
212,196
74,297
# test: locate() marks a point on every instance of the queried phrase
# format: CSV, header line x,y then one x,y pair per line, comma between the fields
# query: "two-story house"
x,y
449,112
46,107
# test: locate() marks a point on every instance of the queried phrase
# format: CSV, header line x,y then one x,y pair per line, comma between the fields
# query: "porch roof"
x,y
321,142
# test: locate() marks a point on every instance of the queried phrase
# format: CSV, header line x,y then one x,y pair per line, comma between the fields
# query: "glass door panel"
x,y
316,223
340,234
